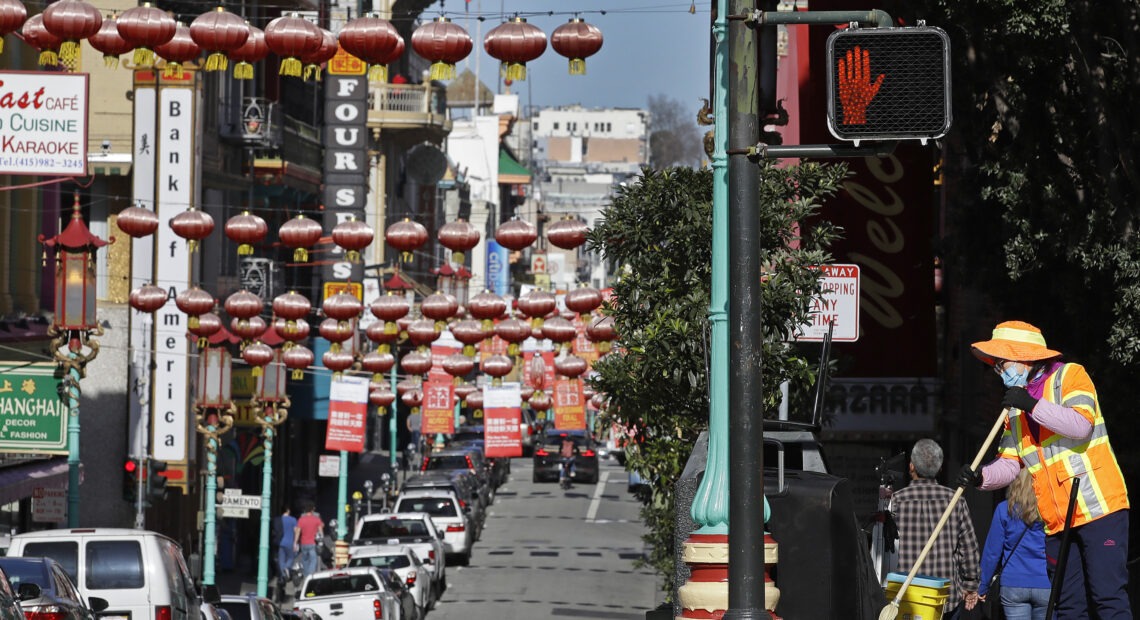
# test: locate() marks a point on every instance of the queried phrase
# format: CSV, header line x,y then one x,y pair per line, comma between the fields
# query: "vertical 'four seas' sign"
x,y
346,153
43,123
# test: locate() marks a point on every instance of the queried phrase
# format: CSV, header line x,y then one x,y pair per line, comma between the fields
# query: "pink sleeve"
x,y
999,473
1062,420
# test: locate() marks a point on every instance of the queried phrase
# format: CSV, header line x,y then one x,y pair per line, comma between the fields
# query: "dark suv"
x,y
467,458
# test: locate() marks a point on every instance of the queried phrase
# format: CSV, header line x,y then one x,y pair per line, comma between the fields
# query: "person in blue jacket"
x,y
1015,546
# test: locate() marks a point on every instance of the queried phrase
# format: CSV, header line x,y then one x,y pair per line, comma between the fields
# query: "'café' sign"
x,y
43,123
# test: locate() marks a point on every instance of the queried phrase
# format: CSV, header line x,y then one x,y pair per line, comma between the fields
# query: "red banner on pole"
x,y
348,413
501,433
440,349
569,405
582,346
439,408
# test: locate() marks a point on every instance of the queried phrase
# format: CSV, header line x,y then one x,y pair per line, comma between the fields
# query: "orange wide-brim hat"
x,y
1016,341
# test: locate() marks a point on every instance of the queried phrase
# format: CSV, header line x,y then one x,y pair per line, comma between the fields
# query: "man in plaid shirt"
x,y
917,509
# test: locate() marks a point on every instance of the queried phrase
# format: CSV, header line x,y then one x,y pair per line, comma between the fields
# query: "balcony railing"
x,y
396,106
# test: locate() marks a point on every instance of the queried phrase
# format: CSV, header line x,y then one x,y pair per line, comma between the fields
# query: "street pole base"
x,y
746,614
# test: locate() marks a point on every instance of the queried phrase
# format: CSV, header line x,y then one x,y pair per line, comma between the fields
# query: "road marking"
x,y
599,489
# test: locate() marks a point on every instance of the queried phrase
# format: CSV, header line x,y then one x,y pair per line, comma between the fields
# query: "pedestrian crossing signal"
x,y
888,83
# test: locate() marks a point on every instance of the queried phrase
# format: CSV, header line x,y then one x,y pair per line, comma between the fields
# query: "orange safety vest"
x,y
1054,460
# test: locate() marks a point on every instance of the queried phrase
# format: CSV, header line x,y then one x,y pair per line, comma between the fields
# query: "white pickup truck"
x,y
350,594
414,529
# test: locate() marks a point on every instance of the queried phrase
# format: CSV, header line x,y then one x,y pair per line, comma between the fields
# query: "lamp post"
x,y
73,327
270,409
214,410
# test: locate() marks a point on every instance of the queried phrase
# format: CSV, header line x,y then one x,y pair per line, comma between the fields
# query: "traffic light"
x,y
888,83
131,480
155,481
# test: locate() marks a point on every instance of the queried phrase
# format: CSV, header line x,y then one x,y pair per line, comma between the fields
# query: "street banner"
x,y
43,123
438,407
444,346
492,346
33,419
501,415
582,346
569,405
498,268
348,411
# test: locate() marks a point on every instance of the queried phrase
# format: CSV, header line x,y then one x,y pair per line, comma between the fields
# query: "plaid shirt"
x,y
954,556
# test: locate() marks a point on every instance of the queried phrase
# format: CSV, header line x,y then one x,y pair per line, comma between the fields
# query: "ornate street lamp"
x,y
215,411
73,327
270,408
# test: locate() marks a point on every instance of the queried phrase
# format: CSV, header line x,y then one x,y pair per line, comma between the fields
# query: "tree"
x,y
658,235
674,138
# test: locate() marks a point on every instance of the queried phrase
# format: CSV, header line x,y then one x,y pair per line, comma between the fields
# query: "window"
x,y
608,128
434,506
66,553
534,125
238,610
391,528
555,126
382,561
20,571
350,584
114,565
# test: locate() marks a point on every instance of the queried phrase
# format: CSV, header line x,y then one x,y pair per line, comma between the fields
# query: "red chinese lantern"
x,y
536,305
192,225
194,302
145,27
376,333
525,392
336,332
253,50
497,366
407,385
486,307
516,234
248,329
422,332
343,307
459,236
324,52
148,298
297,358
243,305
13,14
378,363
538,372
601,330
390,308
300,233
567,233
219,33
416,363
338,361
291,306
109,42
444,44
515,332
291,37
246,229
570,366
558,329
465,390
382,397
72,21
38,37
353,236
577,41
470,333
137,221
207,325
179,50
439,307
293,331
406,236
583,300
474,399
413,398
458,364
257,354
515,43
540,401
375,41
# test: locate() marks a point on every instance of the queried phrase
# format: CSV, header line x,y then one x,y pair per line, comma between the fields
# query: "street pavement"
x,y
549,553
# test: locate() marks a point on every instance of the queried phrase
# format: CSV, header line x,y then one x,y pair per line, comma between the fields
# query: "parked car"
x,y
443,507
59,599
249,607
300,614
350,593
210,612
498,468
142,574
462,483
409,568
528,430
10,599
462,458
547,459
408,607
414,529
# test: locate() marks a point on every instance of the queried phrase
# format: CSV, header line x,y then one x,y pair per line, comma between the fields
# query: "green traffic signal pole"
x,y
73,444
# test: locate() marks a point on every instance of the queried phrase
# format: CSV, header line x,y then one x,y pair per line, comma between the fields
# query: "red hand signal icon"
x,y
855,89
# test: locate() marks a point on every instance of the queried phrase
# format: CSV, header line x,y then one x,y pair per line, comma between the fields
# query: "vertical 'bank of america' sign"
x,y
346,152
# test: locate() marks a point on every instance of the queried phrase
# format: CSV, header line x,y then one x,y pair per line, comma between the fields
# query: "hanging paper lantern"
x,y
192,225
407,385
257,354
583,300
246,229
577,41
248,329
377,334
444,44
567,233
194,302
300,233
353,236
38,37
291,37
516,234
570,366
338,362
179,50
336,332
515,43
390,308
474,400
459,236
439,308
13,14
422,332
536,305
378,363
413,399
219,33
145,27
416,363
291,331
458,365
207,325
243,305
497,366
375,41
558,329
382,397
343,307
540,401
148,298
486,307
464,391
72,21
324,52
515,332
406,236
470,333
601,330
137,221
291,306
253,50
297,358
110,42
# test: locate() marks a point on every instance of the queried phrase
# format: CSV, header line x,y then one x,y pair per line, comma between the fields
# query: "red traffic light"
x,y
131,466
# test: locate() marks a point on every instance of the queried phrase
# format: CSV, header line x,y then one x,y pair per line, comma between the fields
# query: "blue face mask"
x,y
1015,376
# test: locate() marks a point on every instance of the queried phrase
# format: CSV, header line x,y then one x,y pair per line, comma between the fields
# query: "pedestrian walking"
x,y
918,508
1013,557
1055,430
309,528
285,539
413,423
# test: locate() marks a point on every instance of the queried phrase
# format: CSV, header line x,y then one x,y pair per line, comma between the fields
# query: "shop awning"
x,y
511,172
19,481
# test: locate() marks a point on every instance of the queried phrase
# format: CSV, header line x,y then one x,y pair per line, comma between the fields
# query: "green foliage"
x,y
658,236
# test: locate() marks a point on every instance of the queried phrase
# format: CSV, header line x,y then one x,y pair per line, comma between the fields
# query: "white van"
x,y
141,574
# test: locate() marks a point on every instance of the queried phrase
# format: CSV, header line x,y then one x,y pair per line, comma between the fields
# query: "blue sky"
x,y
650,48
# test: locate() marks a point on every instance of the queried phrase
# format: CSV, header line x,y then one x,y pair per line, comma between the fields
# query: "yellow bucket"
x,y
924,598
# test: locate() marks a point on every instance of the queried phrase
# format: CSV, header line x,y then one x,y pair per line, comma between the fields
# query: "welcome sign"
x,y
43,123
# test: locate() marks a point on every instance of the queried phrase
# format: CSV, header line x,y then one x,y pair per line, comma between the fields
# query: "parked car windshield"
x,y
381,561
434,506
238,610
341,584
450,461
390,528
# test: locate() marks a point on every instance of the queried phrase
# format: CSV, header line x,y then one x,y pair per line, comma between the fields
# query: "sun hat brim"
x,y
989,351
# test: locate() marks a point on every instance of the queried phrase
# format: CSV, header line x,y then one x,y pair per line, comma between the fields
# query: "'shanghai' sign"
x,y
33,418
